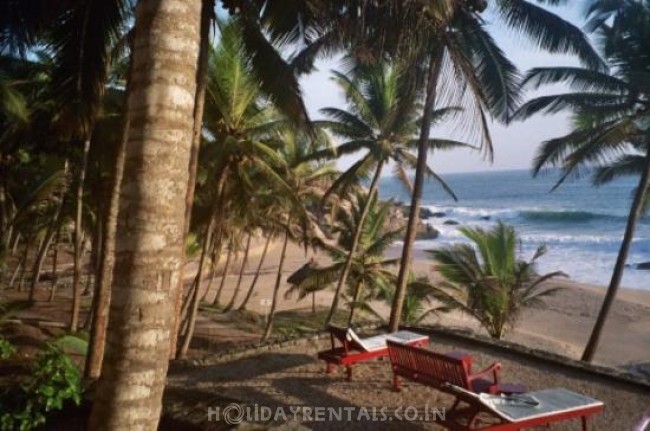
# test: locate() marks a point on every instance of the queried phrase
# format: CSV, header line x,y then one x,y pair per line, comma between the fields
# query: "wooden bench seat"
x,y
439,370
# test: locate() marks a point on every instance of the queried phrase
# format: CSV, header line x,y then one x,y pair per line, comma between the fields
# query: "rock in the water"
x,y
425,231
438,214
645,266
425,213
485,217
451,223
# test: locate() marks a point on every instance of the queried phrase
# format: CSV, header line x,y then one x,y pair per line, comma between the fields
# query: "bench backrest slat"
x,y
426,366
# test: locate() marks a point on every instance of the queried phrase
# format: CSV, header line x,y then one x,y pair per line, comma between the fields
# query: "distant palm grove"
x,y
144,142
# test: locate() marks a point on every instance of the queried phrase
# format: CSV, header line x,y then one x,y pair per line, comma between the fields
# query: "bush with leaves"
x,y
6,349
54,380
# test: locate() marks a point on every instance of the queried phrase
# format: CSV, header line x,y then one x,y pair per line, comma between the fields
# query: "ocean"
x,y
581,225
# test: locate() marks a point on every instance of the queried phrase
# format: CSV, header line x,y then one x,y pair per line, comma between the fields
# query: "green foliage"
x,y
6,349
370,271
487,279
54,380
74,343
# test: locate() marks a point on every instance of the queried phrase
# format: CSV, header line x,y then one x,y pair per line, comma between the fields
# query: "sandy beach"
x,y
563,327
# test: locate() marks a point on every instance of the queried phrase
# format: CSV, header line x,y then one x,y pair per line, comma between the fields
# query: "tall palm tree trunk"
x,y
42,252
231,304
150,232
416,199
636,211
215,257
78,244
101,300
355,301
195,293
20,266
207,12
55,261
23,269
276,289
249,294
355,242
226,268
5,236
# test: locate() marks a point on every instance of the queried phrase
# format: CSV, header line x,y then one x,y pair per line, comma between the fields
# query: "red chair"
x,y
347,348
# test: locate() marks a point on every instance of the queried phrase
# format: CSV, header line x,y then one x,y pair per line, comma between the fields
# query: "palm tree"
x,y
452,41
240,149
488,281
611,129
369,272
418,303
381,120
150,230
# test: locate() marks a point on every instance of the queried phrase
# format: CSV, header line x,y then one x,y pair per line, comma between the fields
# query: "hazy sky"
x,y
514,145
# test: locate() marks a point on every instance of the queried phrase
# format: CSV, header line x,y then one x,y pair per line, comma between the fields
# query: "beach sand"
x,y
563,327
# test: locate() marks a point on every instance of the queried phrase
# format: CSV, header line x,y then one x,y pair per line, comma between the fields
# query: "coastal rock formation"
x,y
426,231
645,266
451,223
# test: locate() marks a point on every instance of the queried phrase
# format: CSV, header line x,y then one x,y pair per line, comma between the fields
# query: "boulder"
x,y
451,223
645,266
424,232
425,213
438,214
485,217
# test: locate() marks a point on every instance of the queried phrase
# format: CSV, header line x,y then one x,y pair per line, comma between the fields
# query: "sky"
x,y
514,145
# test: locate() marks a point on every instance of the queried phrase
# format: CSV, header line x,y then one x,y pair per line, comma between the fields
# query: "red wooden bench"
x,y
347,348
439,370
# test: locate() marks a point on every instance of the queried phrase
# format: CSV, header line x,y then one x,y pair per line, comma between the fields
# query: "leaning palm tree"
x,y
611,127
487,280
370,272
382,120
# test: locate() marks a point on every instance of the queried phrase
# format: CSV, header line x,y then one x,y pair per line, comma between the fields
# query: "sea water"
x,y
581,225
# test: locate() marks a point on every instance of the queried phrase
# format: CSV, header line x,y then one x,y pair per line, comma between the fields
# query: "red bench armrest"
x,y
493,369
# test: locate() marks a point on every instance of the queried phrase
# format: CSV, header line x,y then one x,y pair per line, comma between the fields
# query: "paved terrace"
x,y
287,374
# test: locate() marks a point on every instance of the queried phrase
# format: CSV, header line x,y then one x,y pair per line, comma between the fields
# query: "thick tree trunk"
x,y
78,241
416,199
636,211
226,268
276,289
249,294
231,304
150,232
42,252
55,261
355,242
207,12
